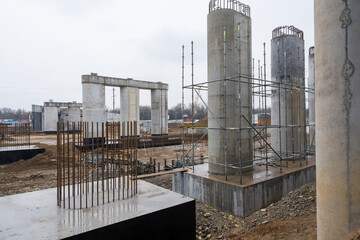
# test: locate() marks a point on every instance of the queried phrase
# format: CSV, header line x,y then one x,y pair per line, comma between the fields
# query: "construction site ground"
x,y
293,217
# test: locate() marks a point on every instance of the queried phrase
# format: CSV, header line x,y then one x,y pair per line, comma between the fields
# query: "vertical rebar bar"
x,y
225,126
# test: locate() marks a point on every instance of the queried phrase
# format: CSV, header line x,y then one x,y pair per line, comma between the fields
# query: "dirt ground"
x,y
293,217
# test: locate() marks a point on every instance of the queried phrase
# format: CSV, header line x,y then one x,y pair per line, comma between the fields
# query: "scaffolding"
x,y
262,92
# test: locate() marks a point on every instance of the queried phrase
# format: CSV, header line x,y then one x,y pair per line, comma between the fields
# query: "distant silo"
x,y
311,85
288,96
229,24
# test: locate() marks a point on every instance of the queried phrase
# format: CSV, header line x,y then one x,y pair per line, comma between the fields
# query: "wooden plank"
x,y
161,173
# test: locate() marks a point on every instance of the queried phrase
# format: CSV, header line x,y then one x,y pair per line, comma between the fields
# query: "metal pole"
x,y
239,102
192,103
225,133
182,107
266,121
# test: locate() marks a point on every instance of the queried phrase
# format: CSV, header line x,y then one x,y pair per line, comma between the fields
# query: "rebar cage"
x,y
229,4
14,135
96,163
287,31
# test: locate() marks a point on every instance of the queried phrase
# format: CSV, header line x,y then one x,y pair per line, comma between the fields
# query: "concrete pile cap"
x,y
287,31
229,4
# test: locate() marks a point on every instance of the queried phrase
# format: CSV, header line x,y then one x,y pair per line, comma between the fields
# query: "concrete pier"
x,y
225,107
311,85
94,100
51,117
288,98
129,105
337,113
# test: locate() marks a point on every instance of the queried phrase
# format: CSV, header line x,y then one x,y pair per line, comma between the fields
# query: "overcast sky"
x,y
46,45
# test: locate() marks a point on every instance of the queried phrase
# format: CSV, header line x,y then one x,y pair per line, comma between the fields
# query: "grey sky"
x,y
46,45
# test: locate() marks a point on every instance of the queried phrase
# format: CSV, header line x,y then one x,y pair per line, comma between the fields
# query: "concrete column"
x,y
164,112
288,105
73,115
93,103
225,107
155,112
129,105
36,117
51,118
311,85
337,113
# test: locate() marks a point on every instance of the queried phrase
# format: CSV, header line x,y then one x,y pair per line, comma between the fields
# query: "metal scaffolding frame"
x,y
264,153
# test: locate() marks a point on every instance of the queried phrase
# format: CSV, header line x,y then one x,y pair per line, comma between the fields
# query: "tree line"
x,y
19,114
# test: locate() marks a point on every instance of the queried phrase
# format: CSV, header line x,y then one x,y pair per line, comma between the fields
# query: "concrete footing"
x,y
155,213
259,190
13,154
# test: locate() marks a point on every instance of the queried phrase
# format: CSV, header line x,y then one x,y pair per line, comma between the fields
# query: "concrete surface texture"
x,y
158,211
311,85
259,190
337,113
288,102
129,106
225,104
50,119
94,100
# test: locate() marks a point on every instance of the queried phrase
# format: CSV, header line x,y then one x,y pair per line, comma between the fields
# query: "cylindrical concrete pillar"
x,y
164,112
129,106
227,23
337,114
311,85
51,117
155,112
288,97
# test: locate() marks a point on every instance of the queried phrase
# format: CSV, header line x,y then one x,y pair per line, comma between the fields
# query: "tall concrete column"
x,y
51,118
93,102
225,108
155,112
129,106
337,113
288,100
164,112
311,85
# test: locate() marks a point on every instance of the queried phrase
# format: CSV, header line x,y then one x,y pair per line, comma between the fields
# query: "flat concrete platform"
x,y
259,187
155,213
16,153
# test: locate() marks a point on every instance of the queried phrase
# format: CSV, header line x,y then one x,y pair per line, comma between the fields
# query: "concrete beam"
x,y
123,82
337,114
63,104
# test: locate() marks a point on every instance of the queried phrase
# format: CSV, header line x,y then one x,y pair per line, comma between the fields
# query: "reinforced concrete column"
x,y
164,112
225,107
51,118
93,103
73,115
311,85
156,112
129,106
337,113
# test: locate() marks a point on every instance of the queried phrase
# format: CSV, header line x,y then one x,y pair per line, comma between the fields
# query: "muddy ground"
x,y
293,217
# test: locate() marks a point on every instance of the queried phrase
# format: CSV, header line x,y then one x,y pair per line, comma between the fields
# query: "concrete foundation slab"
x,y
155,213
13,154
259,188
